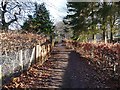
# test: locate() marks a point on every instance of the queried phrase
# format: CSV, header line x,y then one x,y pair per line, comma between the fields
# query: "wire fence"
x,y
13,62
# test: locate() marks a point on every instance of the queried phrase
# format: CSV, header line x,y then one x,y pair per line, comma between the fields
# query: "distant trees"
x,y
88,19
40,22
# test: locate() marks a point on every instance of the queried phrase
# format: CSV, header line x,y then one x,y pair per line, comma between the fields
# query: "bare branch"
x,y
15,19
4,5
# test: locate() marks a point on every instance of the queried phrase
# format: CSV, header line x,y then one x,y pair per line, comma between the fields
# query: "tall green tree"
x,y
40,22
112,18
85,17
76,17
93,18
104,12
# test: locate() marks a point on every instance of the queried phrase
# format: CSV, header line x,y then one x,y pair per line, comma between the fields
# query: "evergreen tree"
x,y
76,18
85,17
40,22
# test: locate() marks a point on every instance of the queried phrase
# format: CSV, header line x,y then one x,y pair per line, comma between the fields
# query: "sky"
x,y
57,8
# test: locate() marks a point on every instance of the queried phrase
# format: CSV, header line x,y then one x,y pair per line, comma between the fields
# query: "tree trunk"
x,y
3,21
4,24
111,35
5,27
103,38
50,38
93,37
106,37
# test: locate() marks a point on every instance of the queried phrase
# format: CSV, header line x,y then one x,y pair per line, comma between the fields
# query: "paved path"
x,y
65,69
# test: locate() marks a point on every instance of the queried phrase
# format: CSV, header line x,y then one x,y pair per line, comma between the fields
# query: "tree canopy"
x,y
40,22
88,19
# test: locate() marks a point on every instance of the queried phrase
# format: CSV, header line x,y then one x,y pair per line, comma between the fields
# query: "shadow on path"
x,y
64,69
79,74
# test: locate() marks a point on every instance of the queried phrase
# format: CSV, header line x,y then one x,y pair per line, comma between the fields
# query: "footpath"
x,y
64,69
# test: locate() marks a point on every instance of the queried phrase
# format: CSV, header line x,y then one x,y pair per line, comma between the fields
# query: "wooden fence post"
x,y
21,59
25,55
32,57
37,50
42,55
43,52
49,50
